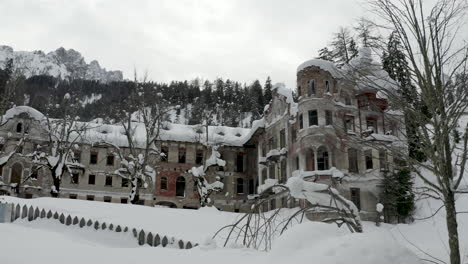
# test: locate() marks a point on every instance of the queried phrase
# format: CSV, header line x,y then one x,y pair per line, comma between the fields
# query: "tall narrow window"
x,y
328,117
310,160
282,138
301,122
313,118
284,175
163,186
271,173
164,153
311,87
91,179
74,178
383,160
181,155
353,160
110,160
108,180
180,186
125,182
322,159
356,197
349,123
299,91
372,124
240,162
293,133
240,186
19,128
251,186
369,162
327,86
271,143
93,158
199,156
297,163
77,156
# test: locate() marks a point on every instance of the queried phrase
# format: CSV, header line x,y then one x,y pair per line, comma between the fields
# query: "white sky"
x,y
182,39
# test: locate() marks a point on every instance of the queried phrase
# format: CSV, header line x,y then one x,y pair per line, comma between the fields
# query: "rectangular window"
x,y
181,155
369,162
299,91
264,149
284,176
313,118
240,162
356,197
93,158
273,204
108,180
297,163
90,197
163,186
199,157
264,175
293,133
164,153
301,122
327,86
311,87
110,160
107,199
349,123
124,200
124,182
372,124
383,160
72,196
282,138
77,156
91,179
272,172
75,178
328,117
353,160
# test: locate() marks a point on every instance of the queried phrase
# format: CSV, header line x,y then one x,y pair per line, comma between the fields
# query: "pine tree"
x,y
325,54
256,96
366,33
344,47
267,95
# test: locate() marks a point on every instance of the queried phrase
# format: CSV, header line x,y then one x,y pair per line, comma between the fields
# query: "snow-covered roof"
x,y
322,64
17,110
281,89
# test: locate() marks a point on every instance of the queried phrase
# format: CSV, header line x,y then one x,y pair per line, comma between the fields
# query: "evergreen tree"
x,y
258,102
366,33
325,54
267,95
343,46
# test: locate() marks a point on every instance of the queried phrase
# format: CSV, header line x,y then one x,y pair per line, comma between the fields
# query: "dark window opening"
x,y
383,160
372,124
125,182
107,199
19,128
90,197
163,183
353,160
299,91
199,157
283,177
34,172
293,133
240,162
297,163
349,123
322,159
108,180
271,171
313,118
77,156
180,186
282,138
75,178
164,153
310,160
327,86
369,161
181,155
328,117
91,179
110,160
73,196
124,200
311,87
240,186
301,122
356,197
93,158
273,204
251,186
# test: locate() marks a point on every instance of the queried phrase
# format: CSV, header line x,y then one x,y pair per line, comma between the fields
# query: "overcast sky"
x,y
242,40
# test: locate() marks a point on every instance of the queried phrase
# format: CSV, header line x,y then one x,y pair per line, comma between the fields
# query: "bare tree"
x,y
146,112
438,69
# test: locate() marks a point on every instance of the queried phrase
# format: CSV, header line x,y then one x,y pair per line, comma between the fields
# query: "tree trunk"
x,y
134,195
57,187
452,228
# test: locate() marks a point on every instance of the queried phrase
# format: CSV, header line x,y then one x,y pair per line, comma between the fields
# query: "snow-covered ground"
x,y
47,241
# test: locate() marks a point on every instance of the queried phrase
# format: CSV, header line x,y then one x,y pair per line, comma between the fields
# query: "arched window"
x,y
327,86
322,159
163,183
311,87
353,160
240,186
180,186
19,127
310,160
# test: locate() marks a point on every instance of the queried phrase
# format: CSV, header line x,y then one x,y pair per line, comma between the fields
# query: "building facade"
x,y
331,133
